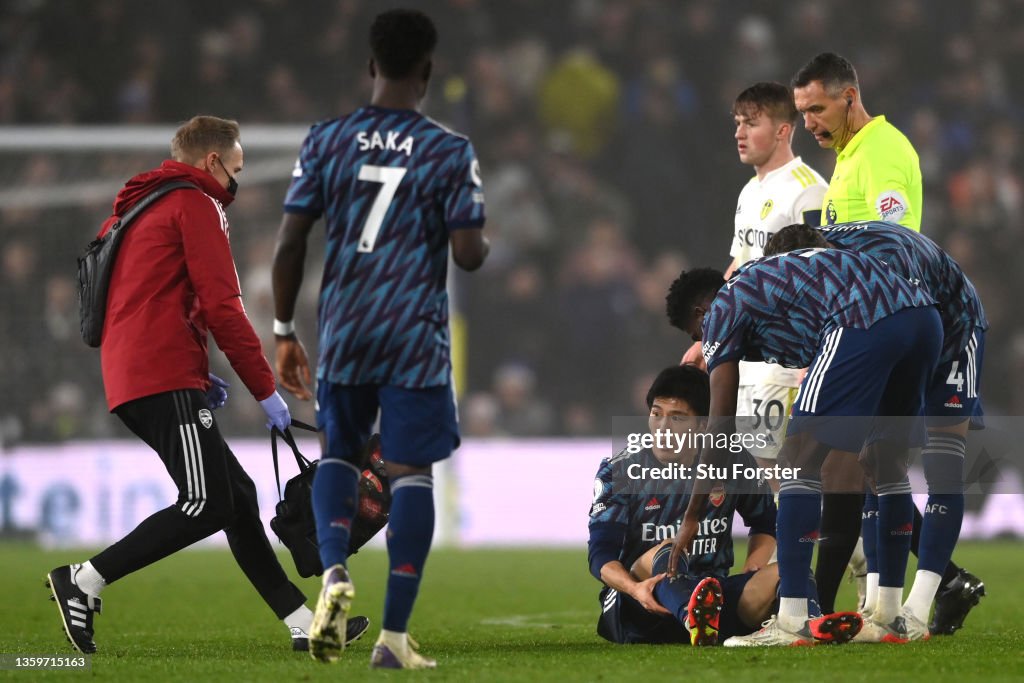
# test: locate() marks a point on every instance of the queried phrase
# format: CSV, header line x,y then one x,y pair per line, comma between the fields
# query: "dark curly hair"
x,y
400,39
689,289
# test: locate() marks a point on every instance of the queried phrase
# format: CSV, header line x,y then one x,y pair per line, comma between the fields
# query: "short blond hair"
x,y
201,135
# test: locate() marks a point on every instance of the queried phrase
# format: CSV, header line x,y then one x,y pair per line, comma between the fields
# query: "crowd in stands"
x,y
604,133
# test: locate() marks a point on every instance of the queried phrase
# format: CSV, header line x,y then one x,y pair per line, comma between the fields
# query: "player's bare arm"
x,y
291,362
759,551
693,356
469,248
725,382
615,575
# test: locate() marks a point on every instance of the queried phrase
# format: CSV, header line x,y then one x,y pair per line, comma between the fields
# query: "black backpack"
x,y
294,522
97,263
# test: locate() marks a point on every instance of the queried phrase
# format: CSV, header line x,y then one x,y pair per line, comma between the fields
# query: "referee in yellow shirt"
x,y
877,177
877,174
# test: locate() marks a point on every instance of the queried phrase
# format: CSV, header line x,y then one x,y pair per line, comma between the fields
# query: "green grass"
x,y
485,615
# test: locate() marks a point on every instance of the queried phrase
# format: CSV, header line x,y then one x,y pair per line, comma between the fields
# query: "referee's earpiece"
x,y
849,102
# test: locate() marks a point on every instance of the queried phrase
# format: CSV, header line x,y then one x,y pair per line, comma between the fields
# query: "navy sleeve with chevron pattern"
x,y
918,258
777,309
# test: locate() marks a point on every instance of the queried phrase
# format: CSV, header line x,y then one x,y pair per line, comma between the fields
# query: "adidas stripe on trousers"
x,y
214,493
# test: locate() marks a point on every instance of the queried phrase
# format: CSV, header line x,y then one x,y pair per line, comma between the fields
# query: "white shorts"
x,y
765,409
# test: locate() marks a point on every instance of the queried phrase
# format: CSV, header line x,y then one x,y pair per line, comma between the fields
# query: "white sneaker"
x,y
916,629
330,620
903,629
354,630
398,651
772,635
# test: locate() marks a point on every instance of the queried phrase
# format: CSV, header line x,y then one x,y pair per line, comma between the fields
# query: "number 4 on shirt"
x,y
389,177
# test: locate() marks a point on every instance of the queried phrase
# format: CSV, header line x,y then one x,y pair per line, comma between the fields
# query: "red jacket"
x,y
173,280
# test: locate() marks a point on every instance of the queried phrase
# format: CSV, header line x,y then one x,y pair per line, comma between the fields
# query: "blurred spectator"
x,y
577,102
478,416
519,409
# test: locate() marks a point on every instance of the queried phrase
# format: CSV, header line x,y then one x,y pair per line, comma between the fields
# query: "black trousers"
x,y
214,493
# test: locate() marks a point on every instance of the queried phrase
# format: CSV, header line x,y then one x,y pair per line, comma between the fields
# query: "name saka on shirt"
x,y
389,141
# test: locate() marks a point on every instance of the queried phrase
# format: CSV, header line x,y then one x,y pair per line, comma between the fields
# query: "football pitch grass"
x,y
486,615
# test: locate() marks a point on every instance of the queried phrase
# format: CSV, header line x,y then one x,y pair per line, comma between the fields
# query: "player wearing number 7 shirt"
x,y
395,189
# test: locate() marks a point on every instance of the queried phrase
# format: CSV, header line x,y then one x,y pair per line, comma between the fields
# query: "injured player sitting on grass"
x,y
633,521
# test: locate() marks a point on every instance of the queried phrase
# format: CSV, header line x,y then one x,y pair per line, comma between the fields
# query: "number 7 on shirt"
x,y
389,177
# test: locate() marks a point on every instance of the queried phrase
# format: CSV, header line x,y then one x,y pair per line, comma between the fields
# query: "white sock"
x,y
792,613
871,592
890,599
922,593
301,618
87,578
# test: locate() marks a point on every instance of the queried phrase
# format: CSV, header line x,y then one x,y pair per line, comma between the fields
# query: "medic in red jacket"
x,y
174,280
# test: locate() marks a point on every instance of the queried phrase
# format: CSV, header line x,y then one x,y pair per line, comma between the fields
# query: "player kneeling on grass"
x,y
634,517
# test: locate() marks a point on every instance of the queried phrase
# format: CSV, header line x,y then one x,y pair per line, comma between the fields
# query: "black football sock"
x,y
840,529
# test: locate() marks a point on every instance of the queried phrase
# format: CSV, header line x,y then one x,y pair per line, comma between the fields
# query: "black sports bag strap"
x,y
301,460
302,425
156,194
96,265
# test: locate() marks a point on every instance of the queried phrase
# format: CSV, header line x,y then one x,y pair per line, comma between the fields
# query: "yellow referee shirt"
x,y
877,177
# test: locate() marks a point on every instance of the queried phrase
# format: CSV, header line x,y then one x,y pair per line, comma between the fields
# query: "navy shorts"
x,y
954,394
857,375
624,621
418,427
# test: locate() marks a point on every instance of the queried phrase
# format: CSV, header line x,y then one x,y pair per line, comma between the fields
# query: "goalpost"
x,y
94,161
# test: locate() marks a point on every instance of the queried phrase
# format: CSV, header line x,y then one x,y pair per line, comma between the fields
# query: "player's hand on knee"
x,y
643,592
277,412
217,394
